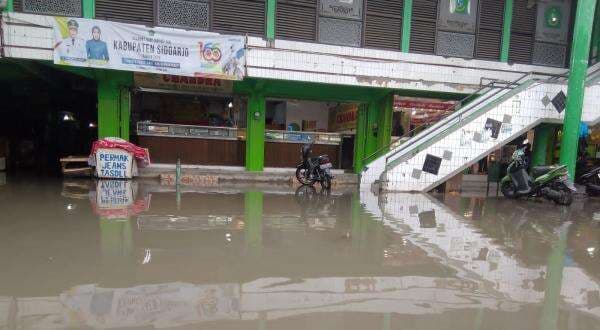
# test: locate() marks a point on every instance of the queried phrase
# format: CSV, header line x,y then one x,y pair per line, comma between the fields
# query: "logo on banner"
x,y
211,52
553,17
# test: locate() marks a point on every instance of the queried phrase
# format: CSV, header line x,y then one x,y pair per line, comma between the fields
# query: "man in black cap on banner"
x,y
72,48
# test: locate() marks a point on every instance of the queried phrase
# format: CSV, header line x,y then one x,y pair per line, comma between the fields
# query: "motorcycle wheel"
x,y
566,196
508,190
326,182
303,176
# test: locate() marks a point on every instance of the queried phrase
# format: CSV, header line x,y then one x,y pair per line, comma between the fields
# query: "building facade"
x,y
321,70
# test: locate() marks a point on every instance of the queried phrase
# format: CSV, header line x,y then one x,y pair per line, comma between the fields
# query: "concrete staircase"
x,y
496,117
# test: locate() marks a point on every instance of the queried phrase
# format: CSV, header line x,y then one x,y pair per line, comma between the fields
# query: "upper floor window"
x,y
71,8
186,14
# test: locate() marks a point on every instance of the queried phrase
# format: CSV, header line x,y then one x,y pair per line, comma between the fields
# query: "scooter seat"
x,y
537,171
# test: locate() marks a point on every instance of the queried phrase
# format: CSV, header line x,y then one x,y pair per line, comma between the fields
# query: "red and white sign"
x,y
424,110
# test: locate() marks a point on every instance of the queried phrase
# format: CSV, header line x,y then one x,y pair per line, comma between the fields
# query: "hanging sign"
x,y
458,15
423,110
182,83
128,47
553,21
343,117
342,8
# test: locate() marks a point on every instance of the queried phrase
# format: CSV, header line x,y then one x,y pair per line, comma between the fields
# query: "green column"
x,y
253,226
406,25
508,14
271,9
540,144
579,64
360,138
255,132
113,103
89,8
9,6
386,111
372,127
116,238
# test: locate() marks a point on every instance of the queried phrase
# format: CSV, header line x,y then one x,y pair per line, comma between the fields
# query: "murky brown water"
x,y
116,255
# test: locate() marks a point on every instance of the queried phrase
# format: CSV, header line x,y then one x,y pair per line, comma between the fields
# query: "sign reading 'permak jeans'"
x,y
458,15
128,47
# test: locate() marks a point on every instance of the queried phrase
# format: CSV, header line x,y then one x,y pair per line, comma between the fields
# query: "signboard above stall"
x,y
128,47
182,83
422,110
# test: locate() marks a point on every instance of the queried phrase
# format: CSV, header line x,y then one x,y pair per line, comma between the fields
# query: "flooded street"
x,y
86,254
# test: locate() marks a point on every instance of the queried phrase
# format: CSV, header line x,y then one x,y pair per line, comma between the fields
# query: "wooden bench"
x,y
67,170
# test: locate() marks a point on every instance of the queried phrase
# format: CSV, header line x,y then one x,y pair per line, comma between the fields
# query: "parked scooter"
x,y
551,182
591,181
313,169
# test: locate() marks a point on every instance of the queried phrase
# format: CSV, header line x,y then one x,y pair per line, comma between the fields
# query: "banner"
x,y
458,15
128,47
343,117
553,21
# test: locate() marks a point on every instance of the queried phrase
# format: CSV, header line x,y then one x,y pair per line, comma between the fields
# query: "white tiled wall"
x,y
526,111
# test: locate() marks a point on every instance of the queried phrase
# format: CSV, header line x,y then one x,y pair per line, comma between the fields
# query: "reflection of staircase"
x,y
496,117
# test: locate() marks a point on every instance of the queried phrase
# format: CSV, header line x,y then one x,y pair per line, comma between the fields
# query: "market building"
x,y
352,76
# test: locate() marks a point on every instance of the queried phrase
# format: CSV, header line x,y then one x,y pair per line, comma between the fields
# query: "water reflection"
x,y
228,257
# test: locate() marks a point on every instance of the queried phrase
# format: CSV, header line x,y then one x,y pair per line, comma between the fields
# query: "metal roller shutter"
x,y
296,20
239,17
128,11
522,32
383,26
489,31
423,26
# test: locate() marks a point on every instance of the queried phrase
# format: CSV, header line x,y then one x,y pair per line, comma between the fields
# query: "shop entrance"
x,y
46,114
196,128
330,126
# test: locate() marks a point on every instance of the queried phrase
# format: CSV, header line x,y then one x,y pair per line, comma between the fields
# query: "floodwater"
x,y
86,254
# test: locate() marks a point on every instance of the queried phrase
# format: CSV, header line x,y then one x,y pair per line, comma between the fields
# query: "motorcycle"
x,y
551,182
313,169
591,181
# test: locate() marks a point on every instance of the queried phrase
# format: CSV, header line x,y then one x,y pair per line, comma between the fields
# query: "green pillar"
x,y
9,6
253,226
540,144
386,111
406,25
271,9
579,63
89,8
508,14
554,276
114,104
360,138
595,47
372,127
255,132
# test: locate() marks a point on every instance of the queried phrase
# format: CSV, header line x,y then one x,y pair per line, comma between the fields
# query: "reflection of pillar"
x,y
116,238
356,220
387,321
253,226
580,51
554,275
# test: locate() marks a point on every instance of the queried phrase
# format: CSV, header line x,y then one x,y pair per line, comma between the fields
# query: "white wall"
x,y
307,110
